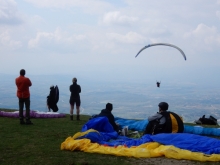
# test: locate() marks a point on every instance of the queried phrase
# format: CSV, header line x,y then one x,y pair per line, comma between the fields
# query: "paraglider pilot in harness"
x,y
52,99
158,84
164,121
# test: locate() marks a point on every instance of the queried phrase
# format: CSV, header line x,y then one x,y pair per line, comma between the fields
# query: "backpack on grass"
x,y
207,121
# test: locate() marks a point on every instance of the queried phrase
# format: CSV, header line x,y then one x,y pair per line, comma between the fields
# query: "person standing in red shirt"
x,y
23,83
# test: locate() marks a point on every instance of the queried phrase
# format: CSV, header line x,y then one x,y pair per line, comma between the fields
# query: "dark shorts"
x,y
75,101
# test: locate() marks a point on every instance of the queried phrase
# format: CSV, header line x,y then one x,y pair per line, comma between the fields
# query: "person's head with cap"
x,y
109,106
22,72
163,106
74,80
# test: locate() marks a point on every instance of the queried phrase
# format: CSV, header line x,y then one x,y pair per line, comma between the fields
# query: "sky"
x,y
100,38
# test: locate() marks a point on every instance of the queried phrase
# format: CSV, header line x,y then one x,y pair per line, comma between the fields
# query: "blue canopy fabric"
x,y
107,136
101,124
192,142
140,125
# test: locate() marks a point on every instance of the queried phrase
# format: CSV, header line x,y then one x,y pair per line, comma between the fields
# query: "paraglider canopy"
x,y
164,44
53,98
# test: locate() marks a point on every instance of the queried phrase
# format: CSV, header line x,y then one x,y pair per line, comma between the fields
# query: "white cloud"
x,y
117,18
56,37
218,14
40,36
130,37
9,13
218,2
89,6
7,42
204,37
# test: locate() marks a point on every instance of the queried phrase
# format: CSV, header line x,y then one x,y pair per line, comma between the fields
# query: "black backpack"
x,y
173,124
207,121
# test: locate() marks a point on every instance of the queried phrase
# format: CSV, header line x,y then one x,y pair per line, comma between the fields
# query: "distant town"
x,y
132,100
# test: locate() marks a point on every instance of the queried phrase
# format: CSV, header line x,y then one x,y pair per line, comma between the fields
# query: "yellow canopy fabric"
x,y
146,150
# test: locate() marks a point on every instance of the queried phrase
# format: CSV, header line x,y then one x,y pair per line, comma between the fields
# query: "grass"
x,y
40,144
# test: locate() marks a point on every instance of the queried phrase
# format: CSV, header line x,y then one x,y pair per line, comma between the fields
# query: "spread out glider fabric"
x,y
199,130
177,146
195,143
147,150
140,125
98,123
33,114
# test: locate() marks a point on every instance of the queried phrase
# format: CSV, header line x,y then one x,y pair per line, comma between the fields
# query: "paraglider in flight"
x,y
164,44
158,84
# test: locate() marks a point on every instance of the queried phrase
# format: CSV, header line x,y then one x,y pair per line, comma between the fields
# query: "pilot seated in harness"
x,y
164,121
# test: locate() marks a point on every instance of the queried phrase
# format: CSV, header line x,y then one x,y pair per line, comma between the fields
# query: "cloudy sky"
x,y
100,38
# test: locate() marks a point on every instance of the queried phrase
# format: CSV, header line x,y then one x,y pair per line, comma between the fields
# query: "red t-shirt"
x,y
23,84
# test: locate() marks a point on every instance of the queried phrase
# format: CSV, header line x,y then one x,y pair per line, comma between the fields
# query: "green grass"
x,y
40,144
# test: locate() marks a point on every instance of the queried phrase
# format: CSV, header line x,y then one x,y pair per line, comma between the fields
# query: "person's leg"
x,y
71,111
27,106
55,108
78,102
48,105
77,112
149,128
21,108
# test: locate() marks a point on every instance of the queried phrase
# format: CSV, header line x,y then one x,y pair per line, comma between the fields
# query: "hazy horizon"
x,y
135,100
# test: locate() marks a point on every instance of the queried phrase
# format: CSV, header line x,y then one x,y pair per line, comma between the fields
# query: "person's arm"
x,y
79,89
16,82
70,88
29,82
112,121
154,117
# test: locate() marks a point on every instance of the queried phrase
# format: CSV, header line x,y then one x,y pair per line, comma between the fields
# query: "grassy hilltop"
x,y
40,144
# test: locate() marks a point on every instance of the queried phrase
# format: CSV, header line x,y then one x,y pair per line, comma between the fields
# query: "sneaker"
x,y
77,117
29,122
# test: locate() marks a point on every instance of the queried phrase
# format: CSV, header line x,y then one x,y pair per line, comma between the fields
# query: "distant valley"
x,y
136,100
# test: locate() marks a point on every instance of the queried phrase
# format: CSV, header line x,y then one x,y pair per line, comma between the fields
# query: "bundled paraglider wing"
x,y
164,44
56,94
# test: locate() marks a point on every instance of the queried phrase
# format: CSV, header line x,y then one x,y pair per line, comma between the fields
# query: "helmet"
x,y
163,105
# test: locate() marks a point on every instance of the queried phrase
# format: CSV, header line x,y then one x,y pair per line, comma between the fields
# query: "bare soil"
x,y
166,161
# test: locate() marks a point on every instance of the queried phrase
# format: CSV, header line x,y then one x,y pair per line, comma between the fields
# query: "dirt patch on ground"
x,y
166,161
